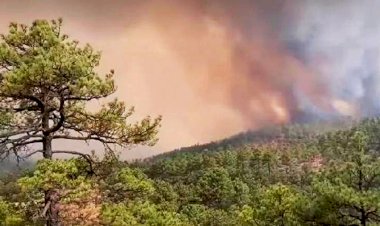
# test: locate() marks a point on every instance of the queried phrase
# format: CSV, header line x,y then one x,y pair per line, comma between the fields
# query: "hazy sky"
x,y
215,68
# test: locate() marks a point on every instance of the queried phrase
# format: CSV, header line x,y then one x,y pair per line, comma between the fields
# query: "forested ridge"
x,y
290,132
329,179
325,173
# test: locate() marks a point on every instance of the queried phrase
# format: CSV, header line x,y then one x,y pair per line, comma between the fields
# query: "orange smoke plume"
x,y
208,79
210,68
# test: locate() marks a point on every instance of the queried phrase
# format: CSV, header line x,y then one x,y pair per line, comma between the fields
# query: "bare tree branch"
x,y
15,133
39,102
46,208
85,138
59,124
32,153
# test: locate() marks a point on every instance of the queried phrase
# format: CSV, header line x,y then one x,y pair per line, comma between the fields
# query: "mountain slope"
x,y
290,133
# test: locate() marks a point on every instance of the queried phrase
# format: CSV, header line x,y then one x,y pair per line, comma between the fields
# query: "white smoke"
x,y
341,41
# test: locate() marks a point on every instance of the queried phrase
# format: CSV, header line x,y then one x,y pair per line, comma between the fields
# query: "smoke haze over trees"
x,y
297,60
297,82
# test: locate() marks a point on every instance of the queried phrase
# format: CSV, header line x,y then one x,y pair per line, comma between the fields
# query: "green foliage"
x,y
165,196
331,179
139,213
128,184
277,206
46,81
201,215
349,185
54,174
42,48
196,213
215,187
9,216
63,176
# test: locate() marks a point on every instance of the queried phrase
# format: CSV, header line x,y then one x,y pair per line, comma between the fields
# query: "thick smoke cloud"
x,y
214,68
340,40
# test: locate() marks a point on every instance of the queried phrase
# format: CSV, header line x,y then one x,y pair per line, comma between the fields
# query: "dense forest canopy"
x,y
329,179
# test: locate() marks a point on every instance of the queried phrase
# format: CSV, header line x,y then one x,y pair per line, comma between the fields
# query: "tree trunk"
x,y
51,196
46,147
46,140
52,205
363,222
363,218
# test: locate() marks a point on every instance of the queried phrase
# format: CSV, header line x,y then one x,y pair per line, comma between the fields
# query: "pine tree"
x,y
46,81
347,189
